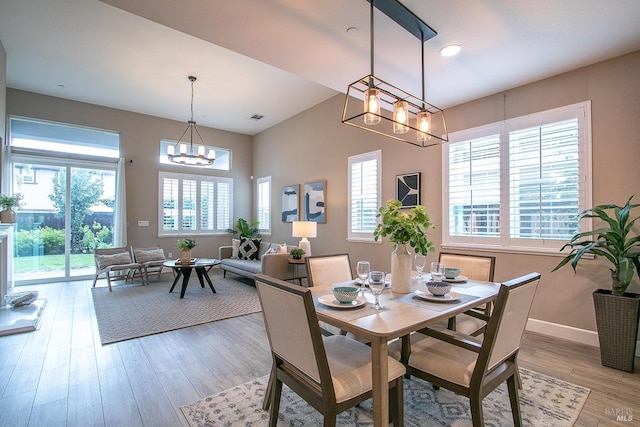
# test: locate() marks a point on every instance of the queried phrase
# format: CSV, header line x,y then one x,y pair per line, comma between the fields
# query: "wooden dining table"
x,y
401,315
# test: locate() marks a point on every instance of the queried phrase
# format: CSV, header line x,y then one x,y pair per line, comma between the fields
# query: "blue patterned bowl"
x,y
438,288
346,293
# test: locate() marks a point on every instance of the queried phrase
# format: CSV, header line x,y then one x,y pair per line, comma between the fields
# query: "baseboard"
x,y
570,333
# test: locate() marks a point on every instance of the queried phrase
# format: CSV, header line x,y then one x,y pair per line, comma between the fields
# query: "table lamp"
x,y
305,229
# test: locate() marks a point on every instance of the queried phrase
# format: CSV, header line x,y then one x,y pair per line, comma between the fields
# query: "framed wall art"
x,y
314,201
408,189
290,203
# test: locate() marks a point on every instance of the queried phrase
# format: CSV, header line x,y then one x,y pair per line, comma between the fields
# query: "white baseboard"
x,y
568,333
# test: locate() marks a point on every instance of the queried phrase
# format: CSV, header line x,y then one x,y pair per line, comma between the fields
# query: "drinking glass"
x,y
363,269
420,261
437,271
376,284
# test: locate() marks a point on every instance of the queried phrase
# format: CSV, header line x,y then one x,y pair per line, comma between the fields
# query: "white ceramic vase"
x,y
401,269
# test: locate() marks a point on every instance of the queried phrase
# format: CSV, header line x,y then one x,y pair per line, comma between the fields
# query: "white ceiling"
x,y
280,57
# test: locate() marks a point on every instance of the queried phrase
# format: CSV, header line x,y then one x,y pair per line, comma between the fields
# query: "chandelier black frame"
x,y
389,110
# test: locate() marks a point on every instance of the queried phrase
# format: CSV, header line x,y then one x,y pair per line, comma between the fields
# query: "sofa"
x,y
272,261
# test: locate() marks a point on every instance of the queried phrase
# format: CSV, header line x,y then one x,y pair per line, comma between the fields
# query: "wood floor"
x,y
61,375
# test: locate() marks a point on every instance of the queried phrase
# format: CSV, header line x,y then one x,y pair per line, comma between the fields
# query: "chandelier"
x,y
389,110
190,153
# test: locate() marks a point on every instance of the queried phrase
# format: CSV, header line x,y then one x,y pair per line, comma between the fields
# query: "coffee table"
x,y
201,265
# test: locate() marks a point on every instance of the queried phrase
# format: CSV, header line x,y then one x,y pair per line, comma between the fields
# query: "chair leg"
x,y
267,395
396,404
275,404
475,404
513,399
109,281
95,279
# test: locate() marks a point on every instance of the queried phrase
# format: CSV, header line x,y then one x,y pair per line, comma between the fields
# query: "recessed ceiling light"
x,y
450,50
256,117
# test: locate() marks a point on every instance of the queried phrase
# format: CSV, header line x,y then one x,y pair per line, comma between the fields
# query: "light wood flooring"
x,y
61,375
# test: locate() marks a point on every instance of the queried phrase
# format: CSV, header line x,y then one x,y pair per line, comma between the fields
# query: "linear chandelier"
x,y
389,110
190,153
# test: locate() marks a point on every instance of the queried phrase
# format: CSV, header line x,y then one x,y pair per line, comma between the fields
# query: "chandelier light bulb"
x,y
400,117
424,126
371,106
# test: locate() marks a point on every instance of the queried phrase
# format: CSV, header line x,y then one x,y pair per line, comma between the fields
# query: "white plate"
x,y
459,279
331,301
450,297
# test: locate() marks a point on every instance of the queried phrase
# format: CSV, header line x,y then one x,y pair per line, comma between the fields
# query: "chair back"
x,y
328,269
111,256
143,255
475,267
508,321
292,326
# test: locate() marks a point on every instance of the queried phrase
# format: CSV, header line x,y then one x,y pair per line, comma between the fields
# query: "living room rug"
x,y
544,401
133,310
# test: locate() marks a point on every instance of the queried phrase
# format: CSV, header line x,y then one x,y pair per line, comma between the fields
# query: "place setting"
x,y
348,295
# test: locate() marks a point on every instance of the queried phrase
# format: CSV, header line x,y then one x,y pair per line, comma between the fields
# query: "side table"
x,y
296,263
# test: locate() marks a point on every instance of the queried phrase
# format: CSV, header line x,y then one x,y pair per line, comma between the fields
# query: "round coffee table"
x,y
201,265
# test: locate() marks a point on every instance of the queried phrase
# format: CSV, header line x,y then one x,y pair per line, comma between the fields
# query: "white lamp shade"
x,y
304,229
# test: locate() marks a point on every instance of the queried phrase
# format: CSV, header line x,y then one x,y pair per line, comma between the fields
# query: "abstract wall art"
x,y
314,201
408,189
290,203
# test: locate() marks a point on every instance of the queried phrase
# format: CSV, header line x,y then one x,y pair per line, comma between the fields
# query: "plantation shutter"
x,y
364,194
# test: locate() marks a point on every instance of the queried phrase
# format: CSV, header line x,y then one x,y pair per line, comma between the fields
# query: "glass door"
x,y
66,212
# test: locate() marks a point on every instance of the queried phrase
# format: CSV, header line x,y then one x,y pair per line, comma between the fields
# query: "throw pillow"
x,y
17,299
282,249
235,247
143,256
269,251
249,248
105,261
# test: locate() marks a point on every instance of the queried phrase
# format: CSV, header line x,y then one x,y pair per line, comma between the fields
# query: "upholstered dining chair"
x,y
116,264
465,364
328,269
331,373
151,259
474,267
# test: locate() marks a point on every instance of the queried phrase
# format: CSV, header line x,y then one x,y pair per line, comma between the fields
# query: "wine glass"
x,y
376,285
420,261
437,271
363,269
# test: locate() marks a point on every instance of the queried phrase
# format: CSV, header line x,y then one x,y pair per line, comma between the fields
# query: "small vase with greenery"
x,y
244,229
185,246
7,203
614,241
296,253
404,228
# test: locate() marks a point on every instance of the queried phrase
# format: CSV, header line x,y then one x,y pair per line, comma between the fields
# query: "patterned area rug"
x,y
132,310
544,401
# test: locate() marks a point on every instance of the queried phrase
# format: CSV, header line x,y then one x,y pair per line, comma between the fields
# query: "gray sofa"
x,y
273,264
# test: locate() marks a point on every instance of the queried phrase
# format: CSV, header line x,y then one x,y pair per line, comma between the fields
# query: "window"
x,y
222,161
194,204
519,184
264,205
364,195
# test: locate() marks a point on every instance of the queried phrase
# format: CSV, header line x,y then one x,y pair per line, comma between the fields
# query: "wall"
x,y
3,103
315,145
140,142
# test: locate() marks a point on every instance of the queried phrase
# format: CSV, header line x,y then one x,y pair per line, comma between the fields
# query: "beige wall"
x,y
315,145
3,102
140,142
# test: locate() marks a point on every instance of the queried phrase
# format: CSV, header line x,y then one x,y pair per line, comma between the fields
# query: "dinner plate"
x,y
459,279
427,296
331,301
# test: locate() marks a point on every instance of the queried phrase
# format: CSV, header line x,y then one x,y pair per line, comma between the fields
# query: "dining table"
x,y
401,314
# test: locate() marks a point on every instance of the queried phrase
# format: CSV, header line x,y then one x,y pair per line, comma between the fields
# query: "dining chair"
x,y
116,261
474,267
467,365
328,269
331,373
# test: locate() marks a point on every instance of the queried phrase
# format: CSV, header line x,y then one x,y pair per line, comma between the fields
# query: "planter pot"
x,y
185,256
401,270
617,319
8,216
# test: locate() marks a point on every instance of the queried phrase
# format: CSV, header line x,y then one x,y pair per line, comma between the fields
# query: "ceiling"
x,y
280,57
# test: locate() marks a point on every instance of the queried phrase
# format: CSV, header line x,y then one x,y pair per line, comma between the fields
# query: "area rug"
x,y
544,401
133,310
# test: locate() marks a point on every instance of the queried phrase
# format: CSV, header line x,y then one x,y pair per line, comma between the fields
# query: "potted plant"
x,y
617,311
185,247
7,203
403,228
244,229
296,253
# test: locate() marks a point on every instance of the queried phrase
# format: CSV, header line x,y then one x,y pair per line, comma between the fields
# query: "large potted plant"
x,y
7,203
244,229
402,229
617,311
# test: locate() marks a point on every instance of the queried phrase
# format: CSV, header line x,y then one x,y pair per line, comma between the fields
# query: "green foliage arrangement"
x,y
244,229
186,244
613,241
405,227
296,253
9,202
